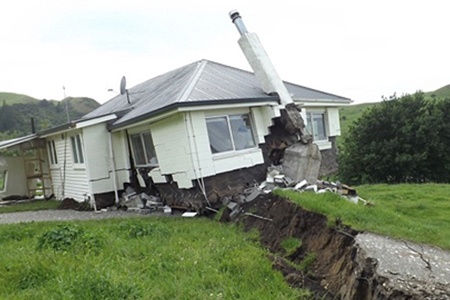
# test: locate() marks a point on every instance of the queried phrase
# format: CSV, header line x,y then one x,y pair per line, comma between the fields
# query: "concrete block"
x,y
302,162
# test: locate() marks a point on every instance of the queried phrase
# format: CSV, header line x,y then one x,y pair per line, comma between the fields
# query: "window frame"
x,y
77,150
51,149
145,152
229,133
4,179
310,125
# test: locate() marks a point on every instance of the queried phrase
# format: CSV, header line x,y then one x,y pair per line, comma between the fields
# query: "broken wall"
x,y
329,164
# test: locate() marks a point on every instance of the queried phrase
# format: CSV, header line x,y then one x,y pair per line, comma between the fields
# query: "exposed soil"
x,y
341,269
70,203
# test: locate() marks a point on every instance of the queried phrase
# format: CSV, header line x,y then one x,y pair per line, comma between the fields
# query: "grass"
x,y
138,258
30,206
415,212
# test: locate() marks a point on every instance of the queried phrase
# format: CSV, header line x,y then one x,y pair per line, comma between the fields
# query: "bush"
x,y
69,238
398,141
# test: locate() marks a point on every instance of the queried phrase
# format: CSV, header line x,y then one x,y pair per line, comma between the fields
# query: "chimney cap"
x,y
234,14
237,20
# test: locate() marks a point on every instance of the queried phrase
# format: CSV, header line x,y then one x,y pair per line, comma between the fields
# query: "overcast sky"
x,y
356,49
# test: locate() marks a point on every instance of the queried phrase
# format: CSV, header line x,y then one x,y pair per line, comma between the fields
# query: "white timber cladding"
x,y
171,143
99,168
15,181
69,180
334,125
262,118
182,145
121,158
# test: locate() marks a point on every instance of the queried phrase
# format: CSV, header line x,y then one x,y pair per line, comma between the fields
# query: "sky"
x,y
361,50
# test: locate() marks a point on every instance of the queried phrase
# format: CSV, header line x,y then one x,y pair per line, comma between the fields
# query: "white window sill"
x,y
323,144
223,155
79,167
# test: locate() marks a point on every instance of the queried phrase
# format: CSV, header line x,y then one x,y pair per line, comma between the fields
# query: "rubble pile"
x,y
276,179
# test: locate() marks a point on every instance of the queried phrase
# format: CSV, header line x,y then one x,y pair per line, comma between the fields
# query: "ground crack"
x,y
427,262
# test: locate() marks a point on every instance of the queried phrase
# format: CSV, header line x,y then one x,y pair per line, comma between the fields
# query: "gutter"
x,y
177,105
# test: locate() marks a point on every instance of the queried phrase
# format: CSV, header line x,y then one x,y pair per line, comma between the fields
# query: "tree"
x,y
400,140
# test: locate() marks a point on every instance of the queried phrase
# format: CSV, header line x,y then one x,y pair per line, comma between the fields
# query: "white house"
x,y
196,130
192,136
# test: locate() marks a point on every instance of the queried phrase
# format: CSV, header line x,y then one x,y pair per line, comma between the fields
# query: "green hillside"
x,y
350,114
16,112
441,93
12,98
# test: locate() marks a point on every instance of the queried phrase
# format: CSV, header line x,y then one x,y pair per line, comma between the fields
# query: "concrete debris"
x,y
189,214
302,162
258,216
130,199
276,179
167,209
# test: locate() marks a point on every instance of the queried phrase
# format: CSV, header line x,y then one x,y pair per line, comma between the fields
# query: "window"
x,y
230,133
316,125
143,149
52,152
77,149
2,180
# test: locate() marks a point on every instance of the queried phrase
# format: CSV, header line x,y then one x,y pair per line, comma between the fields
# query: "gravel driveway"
x,y
67,215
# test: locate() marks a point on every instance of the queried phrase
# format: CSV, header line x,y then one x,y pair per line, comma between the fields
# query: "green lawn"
x,y
415,212
138,258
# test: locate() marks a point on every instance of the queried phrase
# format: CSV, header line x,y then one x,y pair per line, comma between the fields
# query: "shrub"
x,y
398,141
69,238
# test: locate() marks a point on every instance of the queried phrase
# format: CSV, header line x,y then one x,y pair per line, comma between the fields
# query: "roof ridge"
x,y
193,80
314,90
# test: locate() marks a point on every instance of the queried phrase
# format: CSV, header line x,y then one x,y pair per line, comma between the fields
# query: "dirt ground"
x,y
341,268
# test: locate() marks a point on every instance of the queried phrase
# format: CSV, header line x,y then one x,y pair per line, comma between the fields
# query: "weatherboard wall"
x,y
69,180
98,159
182,146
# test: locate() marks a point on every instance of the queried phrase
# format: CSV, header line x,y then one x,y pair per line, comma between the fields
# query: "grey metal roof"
x,y
200,82
17,141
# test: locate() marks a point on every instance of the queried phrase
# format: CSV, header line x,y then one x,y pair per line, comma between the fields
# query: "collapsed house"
x,y
190,137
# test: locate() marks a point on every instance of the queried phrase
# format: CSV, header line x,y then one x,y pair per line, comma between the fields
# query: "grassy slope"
x,y
418,213
139,258
443,92
12,98
80,104
350,114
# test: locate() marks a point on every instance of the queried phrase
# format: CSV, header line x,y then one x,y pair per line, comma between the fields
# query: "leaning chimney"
x,y
259,61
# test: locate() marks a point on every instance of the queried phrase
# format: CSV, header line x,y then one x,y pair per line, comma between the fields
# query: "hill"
x,y
441,93
16,112
12,98
351,113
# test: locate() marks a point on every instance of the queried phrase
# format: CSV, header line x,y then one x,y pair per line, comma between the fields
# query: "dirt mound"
x,y
70,203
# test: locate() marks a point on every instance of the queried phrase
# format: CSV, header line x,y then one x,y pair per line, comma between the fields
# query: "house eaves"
x,y
188,105
58,129
17,141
